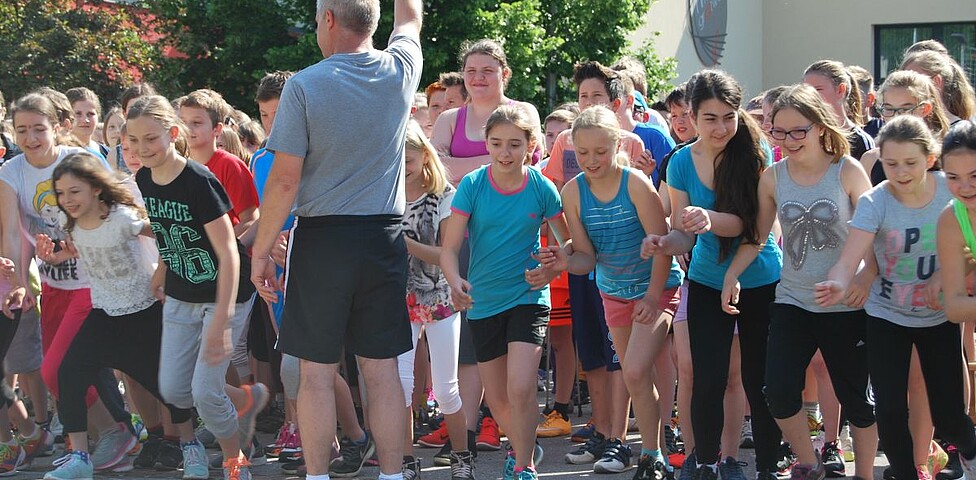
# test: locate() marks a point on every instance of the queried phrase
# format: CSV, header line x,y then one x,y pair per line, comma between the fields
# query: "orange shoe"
x,y
436,439
553,426
488,437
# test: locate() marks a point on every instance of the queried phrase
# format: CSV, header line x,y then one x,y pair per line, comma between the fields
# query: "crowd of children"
x,y
787,274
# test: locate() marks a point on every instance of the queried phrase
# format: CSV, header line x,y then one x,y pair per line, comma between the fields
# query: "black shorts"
x,y
521,323
344,285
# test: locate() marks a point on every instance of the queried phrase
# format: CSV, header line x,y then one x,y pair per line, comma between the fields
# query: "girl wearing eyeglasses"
x,y
906,92
813,192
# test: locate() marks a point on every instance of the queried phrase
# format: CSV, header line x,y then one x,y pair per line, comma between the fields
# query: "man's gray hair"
x,y
360,16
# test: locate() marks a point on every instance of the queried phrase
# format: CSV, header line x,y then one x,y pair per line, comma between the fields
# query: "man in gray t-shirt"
x,y
338,140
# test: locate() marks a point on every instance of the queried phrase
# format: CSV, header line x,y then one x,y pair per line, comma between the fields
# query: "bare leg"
x,y
386,402
682,359
734,403
829,405
317,414
561,339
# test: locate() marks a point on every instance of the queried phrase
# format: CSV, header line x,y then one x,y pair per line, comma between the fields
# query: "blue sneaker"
x,y
528,473
195,461
508,471
113,445
583,433
73,466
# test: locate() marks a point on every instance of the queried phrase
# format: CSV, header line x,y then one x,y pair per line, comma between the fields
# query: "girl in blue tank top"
x,y
610,208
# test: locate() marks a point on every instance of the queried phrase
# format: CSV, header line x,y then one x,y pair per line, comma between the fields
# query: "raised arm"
x,y
407,17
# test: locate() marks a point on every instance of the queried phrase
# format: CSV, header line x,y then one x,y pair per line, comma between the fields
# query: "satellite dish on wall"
x,y
708,25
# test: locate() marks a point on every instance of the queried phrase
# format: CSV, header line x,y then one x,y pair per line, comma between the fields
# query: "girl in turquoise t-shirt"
x,y
502,206
713,184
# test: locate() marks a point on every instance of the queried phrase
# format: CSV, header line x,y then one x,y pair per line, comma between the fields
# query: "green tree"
x,y
65,44
219,44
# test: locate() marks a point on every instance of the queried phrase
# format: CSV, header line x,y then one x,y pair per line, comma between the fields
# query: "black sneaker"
x,y
705,472
688,467
888,474
411,467
953,469
462,466
615,459
150,452
293,468
731,469
650,469
443,457
766,476
785,459
832,460
353,457
170,455
588,452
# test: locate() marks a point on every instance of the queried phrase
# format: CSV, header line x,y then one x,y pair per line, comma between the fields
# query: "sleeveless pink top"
x,y
461,146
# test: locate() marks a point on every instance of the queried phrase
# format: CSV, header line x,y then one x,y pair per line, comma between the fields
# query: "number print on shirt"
x,y
192,264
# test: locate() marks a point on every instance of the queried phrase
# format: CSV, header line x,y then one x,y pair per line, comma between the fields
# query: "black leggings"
x,y
795,335
710,333
130,343
8,328
940,356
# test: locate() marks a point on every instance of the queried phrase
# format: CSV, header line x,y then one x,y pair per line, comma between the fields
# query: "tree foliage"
x,y
65,44
219,44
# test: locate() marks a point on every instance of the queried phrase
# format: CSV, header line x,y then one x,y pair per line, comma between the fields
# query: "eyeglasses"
x,y
889,112
795,134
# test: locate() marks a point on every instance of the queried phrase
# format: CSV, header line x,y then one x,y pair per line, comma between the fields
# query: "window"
x,y
890,42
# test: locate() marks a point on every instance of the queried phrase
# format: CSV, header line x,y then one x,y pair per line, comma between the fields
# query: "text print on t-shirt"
x,y
46,207
190,263
905,270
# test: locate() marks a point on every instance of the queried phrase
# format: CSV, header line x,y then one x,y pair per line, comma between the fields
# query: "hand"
x,y
17,298
695,220
858,290
539,277
216,344
279,252
933,292
730,295
157,284
7,269
45,249
460,294
828,293
654,245
645,310
552,257
264,279
644,163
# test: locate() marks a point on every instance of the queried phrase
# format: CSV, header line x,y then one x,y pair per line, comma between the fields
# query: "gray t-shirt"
x,y
905,247
347,116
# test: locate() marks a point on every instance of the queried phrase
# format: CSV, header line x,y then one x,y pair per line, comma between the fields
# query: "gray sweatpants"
x,y
185,380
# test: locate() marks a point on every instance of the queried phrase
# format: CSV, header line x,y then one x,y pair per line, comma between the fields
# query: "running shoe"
x,y
923,472
74,465
294,468
554,425
11,458
615,459
37,445
671,442
705,472
968,466
786,459
527,473
113,445
689,467
650,469
436,439
206,437
846,443
937,459
814,423
195,461
589,452
354,455
462,466
745,436
832,460
410,468
731,469
808,472
953,469
508,469
583,433
257,398
237,469
489,436
272,450
171,455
